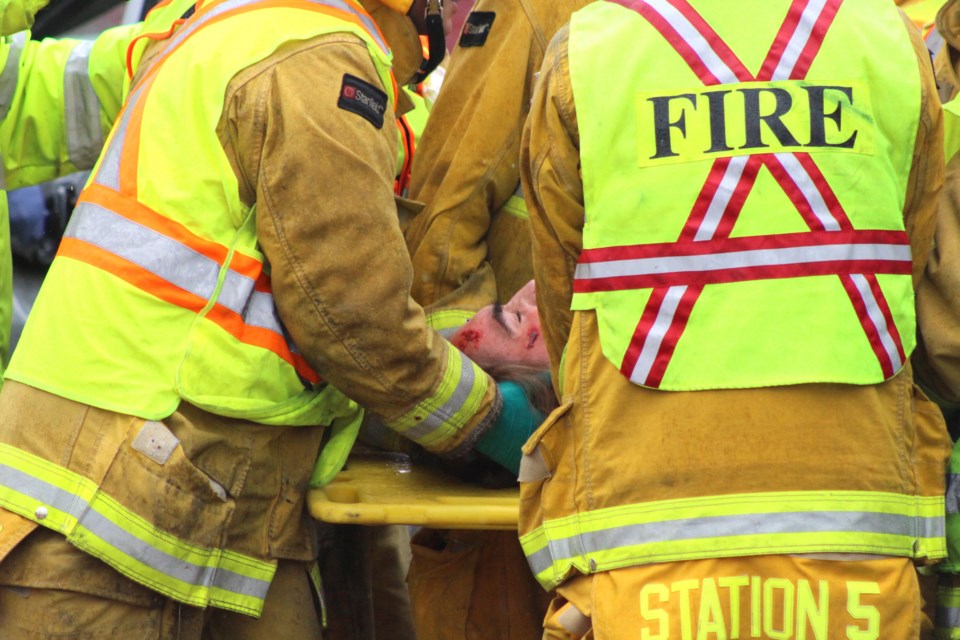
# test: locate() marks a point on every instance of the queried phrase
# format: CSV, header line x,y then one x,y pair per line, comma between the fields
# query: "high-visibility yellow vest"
x,y
164,255
744,222
586,506
55,127
160,239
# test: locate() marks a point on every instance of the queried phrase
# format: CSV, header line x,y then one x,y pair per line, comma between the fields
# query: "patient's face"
x,y
505,335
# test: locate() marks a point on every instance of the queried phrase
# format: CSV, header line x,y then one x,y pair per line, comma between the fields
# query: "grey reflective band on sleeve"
x,y
81,109
11,73
437,417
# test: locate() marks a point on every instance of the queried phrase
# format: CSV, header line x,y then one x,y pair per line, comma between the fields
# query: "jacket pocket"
x,y
537,462
541,453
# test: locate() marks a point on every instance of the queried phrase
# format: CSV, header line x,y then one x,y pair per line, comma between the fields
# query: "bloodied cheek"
x,y
468,340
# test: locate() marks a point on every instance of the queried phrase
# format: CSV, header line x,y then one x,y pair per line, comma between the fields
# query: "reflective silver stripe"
x,y
117,537
81,108
436,418
174,262
108,173
701,47
810,191
875,316
177,264
948,618
11,72
192,25
798,41
662,265
953,493
654,340
721,198
934,42
635,535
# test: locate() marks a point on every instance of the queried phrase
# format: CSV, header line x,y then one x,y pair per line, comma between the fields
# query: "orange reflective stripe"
x,y
409,141
202,21
130,159
141,214
130,273
230,321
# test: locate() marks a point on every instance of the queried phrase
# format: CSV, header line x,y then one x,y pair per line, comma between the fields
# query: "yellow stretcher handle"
x,y
389,489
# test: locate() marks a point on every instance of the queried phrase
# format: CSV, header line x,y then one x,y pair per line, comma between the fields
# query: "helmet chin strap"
x,y
436,39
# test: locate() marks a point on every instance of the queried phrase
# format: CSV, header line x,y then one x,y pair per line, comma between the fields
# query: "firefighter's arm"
x,y
322,167
58,100
930,210
465,167
550,171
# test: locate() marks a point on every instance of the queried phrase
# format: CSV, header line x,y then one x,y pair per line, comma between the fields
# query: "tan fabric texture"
x,y
322,179
261,471
467,252
938,364
758,597
466,168
620,444
473,585
49,589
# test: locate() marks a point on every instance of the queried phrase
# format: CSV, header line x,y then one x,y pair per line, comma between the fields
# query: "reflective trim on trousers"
x,y
74,506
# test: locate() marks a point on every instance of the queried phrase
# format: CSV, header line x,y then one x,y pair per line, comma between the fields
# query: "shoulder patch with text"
x,y
477,28
363,99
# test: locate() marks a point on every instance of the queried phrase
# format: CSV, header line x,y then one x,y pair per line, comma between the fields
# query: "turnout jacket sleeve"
x,y
322,180
937,359
552,186
58,100
465,168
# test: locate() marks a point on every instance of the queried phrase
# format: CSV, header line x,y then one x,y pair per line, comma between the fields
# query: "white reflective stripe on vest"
x,y
108,173
11,72
174,262
711,59
118,537
742,259
82,109
629,538
201,18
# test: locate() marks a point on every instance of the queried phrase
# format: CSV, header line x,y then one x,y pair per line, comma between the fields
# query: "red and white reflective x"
x,y
704,253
